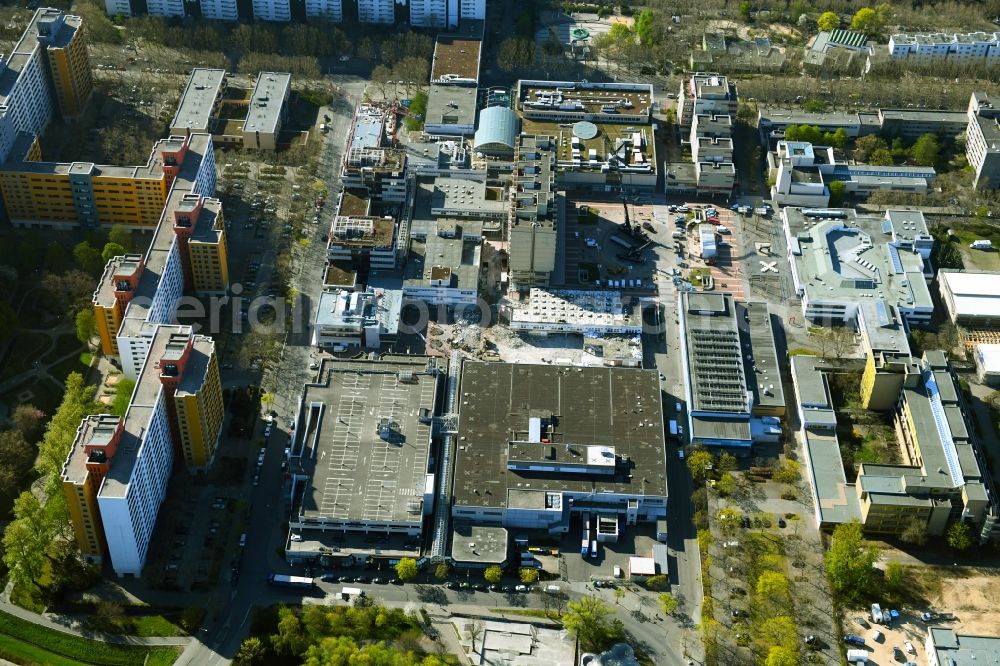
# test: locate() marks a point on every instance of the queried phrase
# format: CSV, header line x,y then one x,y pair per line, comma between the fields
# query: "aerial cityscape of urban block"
x,y
447,332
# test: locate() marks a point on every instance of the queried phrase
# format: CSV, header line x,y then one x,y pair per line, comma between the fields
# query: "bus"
x,y
300,582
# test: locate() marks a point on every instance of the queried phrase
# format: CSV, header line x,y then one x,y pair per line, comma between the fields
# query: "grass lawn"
x,y
46,395
25,349
65,344
966,232
34,644
73,364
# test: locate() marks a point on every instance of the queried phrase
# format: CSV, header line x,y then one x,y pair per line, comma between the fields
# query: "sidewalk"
x,y
67,628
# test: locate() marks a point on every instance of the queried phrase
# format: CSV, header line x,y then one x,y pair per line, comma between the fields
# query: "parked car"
x,y
909,647
854,639
862,622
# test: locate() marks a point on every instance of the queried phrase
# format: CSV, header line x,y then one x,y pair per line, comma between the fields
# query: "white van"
x,y
857,656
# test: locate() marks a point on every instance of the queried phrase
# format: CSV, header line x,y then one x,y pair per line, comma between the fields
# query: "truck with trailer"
x,y
621,241
299,582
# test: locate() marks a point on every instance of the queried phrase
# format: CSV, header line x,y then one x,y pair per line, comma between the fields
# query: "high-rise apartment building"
x,y
331,10
188,252
272,10
376,11
69,65
220,10
48,66
117,470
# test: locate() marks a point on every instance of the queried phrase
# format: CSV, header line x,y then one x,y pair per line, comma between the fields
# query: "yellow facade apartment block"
x,y
198,403
72,76
86,466
71,194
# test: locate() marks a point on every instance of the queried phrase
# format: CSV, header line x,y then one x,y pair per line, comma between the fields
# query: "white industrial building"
x,y
971,298
802,173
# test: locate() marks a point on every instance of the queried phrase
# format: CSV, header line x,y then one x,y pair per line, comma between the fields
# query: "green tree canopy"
x,y
442,570
959,536
493,574
828,21
864,146
773,585
528,575
592,622
112,250
837,189
700,463
870,21
644,27
668,603
850,562
881,157
123,395
779,655
86,325
88,258
926,150
406,569
121,235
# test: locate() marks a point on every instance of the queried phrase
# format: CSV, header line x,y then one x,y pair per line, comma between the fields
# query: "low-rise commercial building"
x,y
536,210
569,101
451,110
971,298
942,478
456,60
371,163
539,445
840,259
200,102
589,313
946,647
365,240
363,464
496,134
268,110
347,319
723,348
116,473
803,172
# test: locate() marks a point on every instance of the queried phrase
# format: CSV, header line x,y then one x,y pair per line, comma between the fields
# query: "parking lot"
x,y
597,246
